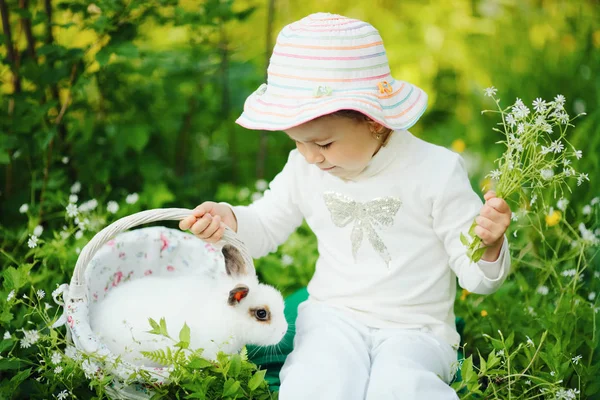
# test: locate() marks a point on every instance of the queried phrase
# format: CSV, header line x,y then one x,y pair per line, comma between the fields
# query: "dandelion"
x,y
112,207
38,230
539,105
58,370
543,290
32,242
586,210
484,313
56,358
553,218
530,342
491,91
73,198
71,210
76,188
261,185
562,204
24,208
11,295
30,338
7,335
132,198
40,294
458,145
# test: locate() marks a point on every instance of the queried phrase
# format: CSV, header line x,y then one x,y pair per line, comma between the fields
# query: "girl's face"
x,y
338,145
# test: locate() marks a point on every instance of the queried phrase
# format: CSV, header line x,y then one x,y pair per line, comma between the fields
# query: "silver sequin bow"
x,y
377,213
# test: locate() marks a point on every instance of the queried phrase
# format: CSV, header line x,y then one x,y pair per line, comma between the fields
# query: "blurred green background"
x,y
141,96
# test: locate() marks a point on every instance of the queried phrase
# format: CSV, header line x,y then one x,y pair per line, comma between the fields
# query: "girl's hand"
x,y
208,221
492,222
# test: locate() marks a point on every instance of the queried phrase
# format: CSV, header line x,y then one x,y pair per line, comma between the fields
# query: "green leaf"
x,y
155,327
464,240
104,55
472,229
163,327
135,137
4,158
20,377
510,340
257,379
199,363
478,254
184,337
235,365
231,387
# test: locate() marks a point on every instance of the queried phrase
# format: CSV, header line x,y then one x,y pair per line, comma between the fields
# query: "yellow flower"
x,y
458,145
553,219
484,313
464,294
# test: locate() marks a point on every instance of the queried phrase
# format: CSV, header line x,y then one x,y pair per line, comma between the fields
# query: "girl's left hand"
x,y
493,220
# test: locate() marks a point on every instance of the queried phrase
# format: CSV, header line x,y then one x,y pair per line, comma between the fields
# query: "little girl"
x,y
386,207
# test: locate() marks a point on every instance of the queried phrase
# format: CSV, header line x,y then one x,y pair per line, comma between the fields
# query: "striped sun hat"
x,y
326,63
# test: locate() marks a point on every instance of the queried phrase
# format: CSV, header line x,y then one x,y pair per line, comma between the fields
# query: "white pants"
x,y
336,357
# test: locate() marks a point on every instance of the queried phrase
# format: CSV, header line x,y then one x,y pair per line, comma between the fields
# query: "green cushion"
x,y
272,358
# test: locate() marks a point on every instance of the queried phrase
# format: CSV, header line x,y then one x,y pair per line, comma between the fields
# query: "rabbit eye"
x,y
261,314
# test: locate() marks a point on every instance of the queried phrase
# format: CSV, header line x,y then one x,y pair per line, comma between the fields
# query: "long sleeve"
x,y
453,212
269,221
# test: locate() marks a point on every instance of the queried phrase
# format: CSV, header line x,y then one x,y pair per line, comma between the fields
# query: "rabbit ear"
x,y
237,294
234,262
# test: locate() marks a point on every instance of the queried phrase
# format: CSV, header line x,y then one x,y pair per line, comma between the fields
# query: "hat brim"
x,y
274,110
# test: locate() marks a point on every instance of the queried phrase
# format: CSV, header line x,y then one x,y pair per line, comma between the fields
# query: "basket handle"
x,y
77,288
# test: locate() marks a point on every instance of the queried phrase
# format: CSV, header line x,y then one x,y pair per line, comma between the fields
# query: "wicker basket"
x,y
113,257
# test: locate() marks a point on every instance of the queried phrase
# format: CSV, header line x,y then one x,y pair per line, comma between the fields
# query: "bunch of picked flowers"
x,y
538,156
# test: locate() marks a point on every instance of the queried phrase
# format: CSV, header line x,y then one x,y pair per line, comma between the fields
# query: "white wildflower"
x,y
531,311
546,127
514,216
587,234
491,91
546,150
533,199
89,368
520,128
112,207
566,162
581,178
557,146
528,382
563,118
510,120
56,358
539,105
559,99
562,204
132,198
62,395
7,335
519,103
88,205
568,172
578,154
552,373
595,201
500,353
38,230
243,193
495,174
40,294
77,250
591,296
47,306
24,208
569,272
547,173
287,260
567,394
543,290
256,196
586,210
76,188
71,210
78,234
73,353
32,242
10,296
65,160
57,371
261,185
73,198
530,342
31,337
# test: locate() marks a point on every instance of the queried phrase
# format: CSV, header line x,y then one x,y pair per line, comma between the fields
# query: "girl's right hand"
x,y
208,221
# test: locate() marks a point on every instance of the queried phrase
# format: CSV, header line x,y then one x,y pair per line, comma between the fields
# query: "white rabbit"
x,y
223,314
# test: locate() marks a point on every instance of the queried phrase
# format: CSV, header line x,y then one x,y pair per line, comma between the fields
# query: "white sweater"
x,y
404,213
